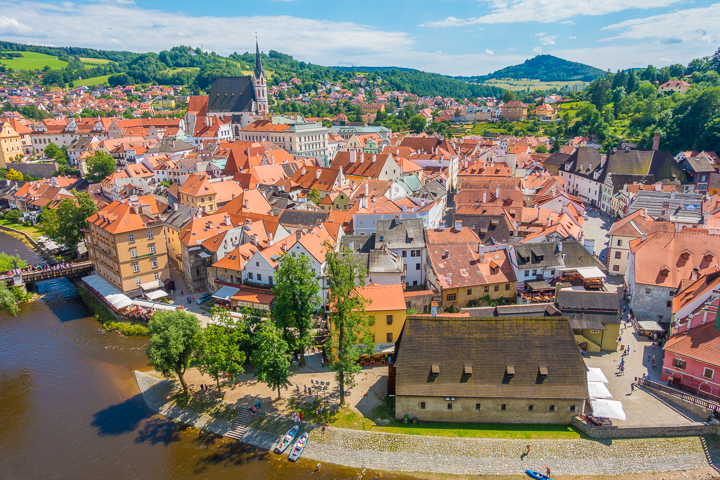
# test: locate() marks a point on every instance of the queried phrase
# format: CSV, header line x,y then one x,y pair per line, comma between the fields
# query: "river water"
x,y
70,408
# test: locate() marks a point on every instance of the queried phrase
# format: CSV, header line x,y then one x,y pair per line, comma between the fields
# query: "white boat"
x,y
298,448
287,439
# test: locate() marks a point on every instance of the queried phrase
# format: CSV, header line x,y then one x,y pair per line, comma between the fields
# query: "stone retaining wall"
x,y
697,410
644,432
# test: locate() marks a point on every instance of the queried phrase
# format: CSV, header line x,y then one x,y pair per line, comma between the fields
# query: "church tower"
x,y
261,99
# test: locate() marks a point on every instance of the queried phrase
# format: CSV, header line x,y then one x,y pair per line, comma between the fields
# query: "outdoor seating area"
x,y
374,360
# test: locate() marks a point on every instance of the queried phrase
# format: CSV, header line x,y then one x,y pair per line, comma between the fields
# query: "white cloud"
x,y
11,27
540,34
698,25
567,22
548,39
537,49
489,52
663,59
572,37
544,11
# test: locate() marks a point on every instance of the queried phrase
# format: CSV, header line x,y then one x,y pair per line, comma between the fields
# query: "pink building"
x,y
692,358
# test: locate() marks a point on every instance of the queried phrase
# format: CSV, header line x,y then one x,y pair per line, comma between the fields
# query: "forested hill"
x,y
545,68
184,65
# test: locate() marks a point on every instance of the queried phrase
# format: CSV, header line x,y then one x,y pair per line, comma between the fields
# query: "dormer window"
x,y
543,370
510,370
664,271
468,370
708,257
435,370
685,255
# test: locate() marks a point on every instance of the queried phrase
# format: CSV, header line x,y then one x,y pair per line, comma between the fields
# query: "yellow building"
x,y
167,103
10,144
126,242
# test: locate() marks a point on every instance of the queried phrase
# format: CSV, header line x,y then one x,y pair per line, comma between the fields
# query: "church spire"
x,y
258,63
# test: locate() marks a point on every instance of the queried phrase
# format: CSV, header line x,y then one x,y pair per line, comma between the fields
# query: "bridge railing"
x,y
709,404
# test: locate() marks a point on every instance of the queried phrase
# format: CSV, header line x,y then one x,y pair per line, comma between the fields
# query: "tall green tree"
x,y
271,357
508,96
296,301
173,339
218,346
314,195
53,151
99,165
350,334
71,218
417,124
8,300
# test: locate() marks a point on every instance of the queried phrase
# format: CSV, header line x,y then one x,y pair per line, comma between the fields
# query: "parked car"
x,y
205,298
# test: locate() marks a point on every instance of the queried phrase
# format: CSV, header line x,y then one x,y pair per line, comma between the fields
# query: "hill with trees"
x,y
546,68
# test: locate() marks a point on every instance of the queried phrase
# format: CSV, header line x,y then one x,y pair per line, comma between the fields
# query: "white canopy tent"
x,y
596,375
152,285
116,298
607,409
154,305
156,294
587,272
225,293
650,326
598,390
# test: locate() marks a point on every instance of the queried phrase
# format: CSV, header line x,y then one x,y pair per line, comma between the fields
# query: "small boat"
x,y
298,448
537,476
287,439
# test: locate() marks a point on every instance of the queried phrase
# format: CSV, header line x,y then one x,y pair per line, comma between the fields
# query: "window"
x,y
152,248
154,263
530,408
618,254
708,373
450,297
151,235
449,406
552,408
270,280
389,319
250,275
619,243
527,273
469,291
404,254
259,277
496,288
668,304
616,268
503,407
477,406
422,405
647,290
417,266
681,364
157,276
133,252
412,253
257,264
572,408
136,267
131,238
486,288
389,337
138,281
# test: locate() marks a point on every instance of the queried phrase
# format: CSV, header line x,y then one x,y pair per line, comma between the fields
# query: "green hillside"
x,y
545,68
30,61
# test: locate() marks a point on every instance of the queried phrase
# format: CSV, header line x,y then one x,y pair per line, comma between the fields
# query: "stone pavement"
x,y
596,227
461,456
641,408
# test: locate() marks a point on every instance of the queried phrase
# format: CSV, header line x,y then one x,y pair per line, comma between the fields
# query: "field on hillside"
x,y
89,82
94,61
525,83
32,61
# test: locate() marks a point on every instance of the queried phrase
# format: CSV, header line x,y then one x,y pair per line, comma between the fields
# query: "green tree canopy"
x,y
99,165
68,222
417,124
271,357
173,338
218,346
508,96
14,175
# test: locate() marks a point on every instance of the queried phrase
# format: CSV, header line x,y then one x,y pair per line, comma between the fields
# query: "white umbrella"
x,y
607,409
598,390
596,375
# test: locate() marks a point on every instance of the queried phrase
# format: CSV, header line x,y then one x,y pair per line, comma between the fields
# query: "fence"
x,y
705,403
695,391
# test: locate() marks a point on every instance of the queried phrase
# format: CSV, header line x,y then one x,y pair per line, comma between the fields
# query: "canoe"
x,y
287,439
298,448
537,476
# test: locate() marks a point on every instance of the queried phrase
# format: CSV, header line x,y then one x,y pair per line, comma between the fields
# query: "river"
x,y
70,408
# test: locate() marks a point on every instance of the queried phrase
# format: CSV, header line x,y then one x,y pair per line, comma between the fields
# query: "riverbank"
x,y
108,319
453,456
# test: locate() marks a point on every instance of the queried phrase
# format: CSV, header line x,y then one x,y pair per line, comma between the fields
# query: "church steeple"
x,y
260,83
258,63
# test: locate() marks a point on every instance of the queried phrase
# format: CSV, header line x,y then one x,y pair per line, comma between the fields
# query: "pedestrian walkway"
x,y
240,425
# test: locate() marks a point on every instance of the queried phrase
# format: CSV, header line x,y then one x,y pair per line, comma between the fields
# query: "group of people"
x,y
138,313
297,417
40,267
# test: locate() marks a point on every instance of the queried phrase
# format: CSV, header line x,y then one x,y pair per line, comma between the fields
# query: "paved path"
x,y
461,456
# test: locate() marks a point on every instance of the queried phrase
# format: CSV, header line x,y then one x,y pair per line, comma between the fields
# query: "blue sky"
x,y
453,37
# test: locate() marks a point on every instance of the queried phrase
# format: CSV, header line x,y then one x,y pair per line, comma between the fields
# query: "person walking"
x,y
305,389
632,388
527,451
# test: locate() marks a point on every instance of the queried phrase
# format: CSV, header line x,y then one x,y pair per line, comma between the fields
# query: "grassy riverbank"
x,y
108,321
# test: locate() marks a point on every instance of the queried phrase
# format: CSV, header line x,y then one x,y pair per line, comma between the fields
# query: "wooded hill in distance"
x,y
546,68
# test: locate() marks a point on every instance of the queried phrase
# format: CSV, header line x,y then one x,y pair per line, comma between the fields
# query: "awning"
x,y
156,294
598,390
253,297
608,409
225,293
587,272
154,305
154,285
116,298
204,255
596,375
384,348
650,326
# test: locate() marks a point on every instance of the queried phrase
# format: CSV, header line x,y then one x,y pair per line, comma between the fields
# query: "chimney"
x,y
485,196
304,171
517,229
458,225
481,252
695,273
362,157
656,141
317,174
447,253
227,221
497,193
298,235
442,225
353,156
272,159
549,222
246,203
255,238
367,189
373,158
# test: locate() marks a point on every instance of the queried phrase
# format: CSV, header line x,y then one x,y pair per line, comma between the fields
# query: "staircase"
x,y
240,425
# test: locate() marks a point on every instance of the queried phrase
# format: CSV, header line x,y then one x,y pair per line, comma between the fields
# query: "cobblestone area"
x,y
416,453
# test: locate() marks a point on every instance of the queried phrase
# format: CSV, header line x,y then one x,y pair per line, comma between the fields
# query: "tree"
x,y
99,165
13,216
53,151
417,124
632,82
508,96
296,301
14,175
173,338
271,357
72,215
541,149
8,300
50,223
218,346
314,195
350,335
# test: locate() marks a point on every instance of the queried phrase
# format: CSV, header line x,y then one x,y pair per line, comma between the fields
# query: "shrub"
x,y
13,216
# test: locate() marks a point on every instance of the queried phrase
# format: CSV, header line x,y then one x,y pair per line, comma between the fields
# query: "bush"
x,y
13,216
126,328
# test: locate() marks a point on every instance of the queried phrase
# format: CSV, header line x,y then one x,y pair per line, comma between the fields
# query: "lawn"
x,y
94,61
89,82
32,61
32,231
525,83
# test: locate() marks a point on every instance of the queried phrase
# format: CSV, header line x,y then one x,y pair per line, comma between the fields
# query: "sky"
x,y
451,37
